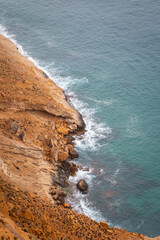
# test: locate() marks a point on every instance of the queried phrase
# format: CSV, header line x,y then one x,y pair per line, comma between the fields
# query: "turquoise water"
x,y
106,56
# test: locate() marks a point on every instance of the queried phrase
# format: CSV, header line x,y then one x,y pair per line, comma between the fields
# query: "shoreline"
x,y
27,102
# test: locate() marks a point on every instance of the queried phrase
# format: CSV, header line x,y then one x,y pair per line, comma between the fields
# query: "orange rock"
x,y
73,153
66,205
109,231
28,215
70,148
62,130
62,156
104,225
49,229
55,196
32,194
141,235
11,205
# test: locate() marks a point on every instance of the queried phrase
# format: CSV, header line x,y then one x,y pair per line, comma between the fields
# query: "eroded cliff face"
x,y
37,126
25,87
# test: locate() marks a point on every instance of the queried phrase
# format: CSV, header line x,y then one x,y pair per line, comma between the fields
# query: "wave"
x,y
95,130
104,102
4,32
80,202
113,178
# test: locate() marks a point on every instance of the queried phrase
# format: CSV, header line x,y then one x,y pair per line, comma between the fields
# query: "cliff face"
x,y
36,145
27,88
35,121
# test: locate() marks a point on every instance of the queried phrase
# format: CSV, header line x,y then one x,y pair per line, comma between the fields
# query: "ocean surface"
x,y
106,56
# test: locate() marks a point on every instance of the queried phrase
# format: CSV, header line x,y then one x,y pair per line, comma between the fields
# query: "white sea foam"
x,y
4,32
113,178
132,128
95,130
104,102
80,202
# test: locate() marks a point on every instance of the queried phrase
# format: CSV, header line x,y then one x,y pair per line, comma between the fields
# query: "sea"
x,y
106,56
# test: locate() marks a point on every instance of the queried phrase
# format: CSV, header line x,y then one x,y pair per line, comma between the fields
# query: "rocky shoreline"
x,y
37,128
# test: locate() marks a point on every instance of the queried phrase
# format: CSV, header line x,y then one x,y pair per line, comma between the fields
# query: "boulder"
x,y
61,193
82,186
73,169
104,225
58,195
62,156
72,152
66,205
61,197
28,215
62,130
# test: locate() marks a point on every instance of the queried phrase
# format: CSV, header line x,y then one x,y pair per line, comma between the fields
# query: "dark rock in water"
x,y
82,186
69,168
74,154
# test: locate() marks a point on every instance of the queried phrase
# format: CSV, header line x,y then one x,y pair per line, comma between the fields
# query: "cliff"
x,y
37,126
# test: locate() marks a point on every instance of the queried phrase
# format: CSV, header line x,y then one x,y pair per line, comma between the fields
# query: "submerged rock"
x,y
82,186
108,194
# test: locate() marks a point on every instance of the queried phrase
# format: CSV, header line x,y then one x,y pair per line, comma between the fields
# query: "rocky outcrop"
x,y
37,126
27,88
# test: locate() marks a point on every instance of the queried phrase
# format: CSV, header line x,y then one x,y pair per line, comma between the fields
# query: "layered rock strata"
x,y
37,126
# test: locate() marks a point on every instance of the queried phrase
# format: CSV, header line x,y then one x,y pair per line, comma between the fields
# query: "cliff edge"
x,y
37,126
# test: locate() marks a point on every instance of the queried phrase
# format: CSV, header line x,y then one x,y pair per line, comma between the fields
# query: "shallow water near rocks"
x,y
106,56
